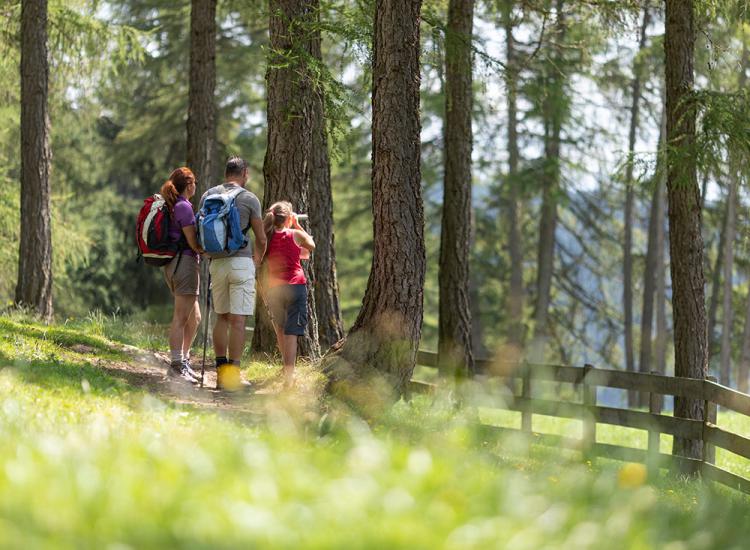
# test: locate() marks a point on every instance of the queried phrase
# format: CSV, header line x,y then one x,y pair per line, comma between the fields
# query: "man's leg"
x,y
220,334
236,337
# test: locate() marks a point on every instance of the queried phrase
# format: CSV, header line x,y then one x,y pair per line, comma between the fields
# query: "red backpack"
x,y
152,233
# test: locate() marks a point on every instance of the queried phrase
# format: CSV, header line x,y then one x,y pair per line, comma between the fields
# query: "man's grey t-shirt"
x,y
248,207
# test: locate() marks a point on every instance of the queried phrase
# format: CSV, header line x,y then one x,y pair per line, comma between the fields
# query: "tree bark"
x,y
660,344
744,366
551,190
455,354
651,269
330,325
288,164
34,285
744,369
201,121
374,364
627,287
685,239
650,275
728,266
515,247
730,230
713,307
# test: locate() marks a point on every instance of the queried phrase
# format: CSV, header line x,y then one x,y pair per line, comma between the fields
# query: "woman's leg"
x,y
183,308
191,328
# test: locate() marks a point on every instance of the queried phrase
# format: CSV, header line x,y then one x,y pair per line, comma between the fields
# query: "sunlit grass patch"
x,y
64,338
88,461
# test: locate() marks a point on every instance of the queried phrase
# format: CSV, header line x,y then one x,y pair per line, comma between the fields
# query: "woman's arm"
x,y
192,238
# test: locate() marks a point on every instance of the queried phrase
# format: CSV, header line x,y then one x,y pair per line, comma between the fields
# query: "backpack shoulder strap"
x,y
234,193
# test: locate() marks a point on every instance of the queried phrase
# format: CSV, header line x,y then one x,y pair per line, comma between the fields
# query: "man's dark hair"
x,y
235,166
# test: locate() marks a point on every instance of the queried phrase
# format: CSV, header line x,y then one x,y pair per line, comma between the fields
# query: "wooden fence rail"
x,y
587,379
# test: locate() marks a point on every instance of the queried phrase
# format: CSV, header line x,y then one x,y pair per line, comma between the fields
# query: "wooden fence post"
x,y
710,412
589,418
526,394
654,436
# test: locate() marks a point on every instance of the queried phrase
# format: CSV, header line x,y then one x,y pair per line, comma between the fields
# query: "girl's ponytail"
x,y
268,224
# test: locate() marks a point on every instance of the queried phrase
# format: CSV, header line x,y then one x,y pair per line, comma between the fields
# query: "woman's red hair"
x,y
176,184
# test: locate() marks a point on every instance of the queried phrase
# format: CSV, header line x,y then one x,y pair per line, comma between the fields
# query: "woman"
x,y
182,273
285,282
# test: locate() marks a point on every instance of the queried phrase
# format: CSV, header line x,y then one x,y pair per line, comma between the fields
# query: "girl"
x,y
286,283
181,274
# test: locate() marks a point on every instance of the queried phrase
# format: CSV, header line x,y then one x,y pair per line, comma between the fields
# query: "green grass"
x,y
87,461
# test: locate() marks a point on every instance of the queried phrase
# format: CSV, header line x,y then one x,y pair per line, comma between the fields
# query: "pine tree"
x,y
374,364
454,331
34,286
683,195
287,169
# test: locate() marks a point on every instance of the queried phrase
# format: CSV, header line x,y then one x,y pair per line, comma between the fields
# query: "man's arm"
x,y
259,250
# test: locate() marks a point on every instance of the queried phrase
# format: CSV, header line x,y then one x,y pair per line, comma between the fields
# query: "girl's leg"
x,y
289,356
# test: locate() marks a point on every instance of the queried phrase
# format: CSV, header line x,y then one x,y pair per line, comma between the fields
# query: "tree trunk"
x,y
744,366
201,121
744,370
34,285
650,275
627,287
454,328
730,231
713,308
651,269
685,239
660,345
515,294
330,325
288,165
728,265
374,364
550,191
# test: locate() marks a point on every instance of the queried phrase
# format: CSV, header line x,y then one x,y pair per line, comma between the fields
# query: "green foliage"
x,y
90,461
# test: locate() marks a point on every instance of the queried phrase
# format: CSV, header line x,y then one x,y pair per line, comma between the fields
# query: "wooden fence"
x,y
522,379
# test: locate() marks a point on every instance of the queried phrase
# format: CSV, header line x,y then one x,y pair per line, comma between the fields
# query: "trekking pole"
x,y
205,327
262,293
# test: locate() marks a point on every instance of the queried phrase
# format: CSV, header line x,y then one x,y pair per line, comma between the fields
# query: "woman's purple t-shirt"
x,y
183,216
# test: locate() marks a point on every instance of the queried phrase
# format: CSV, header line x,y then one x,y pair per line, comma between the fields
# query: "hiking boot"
x,y
179,370
195,375
228,377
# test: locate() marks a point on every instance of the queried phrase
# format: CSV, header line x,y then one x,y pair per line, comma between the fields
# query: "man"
x,y
233,278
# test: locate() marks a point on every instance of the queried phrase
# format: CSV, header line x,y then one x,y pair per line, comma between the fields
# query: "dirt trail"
x,y
147,370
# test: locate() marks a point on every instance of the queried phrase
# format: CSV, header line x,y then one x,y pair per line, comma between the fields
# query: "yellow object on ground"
x,y
632,475
228,378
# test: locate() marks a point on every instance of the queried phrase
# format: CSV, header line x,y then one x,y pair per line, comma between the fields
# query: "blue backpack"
x,y
218,223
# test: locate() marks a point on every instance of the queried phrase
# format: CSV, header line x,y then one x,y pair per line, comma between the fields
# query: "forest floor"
x,y
102,449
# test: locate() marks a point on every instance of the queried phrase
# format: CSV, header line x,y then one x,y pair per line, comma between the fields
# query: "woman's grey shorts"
x,y
288,305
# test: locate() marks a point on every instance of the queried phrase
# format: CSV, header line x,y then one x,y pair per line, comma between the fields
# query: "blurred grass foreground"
x,y
95,454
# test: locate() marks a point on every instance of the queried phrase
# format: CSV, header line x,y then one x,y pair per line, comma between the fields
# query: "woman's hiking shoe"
x,y
178,369
195,375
